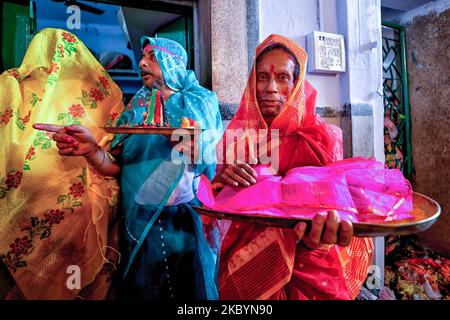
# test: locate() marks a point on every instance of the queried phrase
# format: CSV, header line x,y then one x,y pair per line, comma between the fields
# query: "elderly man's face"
x,y
150,71
274,82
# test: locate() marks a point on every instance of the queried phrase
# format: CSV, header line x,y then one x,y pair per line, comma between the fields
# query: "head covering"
x,y
190,100
172,58
248,115
259,262
147,159
54,211
197,103
304,138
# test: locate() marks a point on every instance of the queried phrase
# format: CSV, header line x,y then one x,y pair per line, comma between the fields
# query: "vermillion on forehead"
x,y
147,48
276,61
272,69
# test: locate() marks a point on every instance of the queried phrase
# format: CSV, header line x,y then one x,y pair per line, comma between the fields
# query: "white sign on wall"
x,y
326,52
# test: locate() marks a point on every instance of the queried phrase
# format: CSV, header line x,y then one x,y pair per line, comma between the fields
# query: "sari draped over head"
x,y
146,160
264,262
57,216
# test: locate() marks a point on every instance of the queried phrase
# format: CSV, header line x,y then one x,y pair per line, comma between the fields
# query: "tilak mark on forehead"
x,y
147,48
272,69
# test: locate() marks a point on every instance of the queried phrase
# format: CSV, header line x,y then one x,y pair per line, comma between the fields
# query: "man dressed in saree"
x,y
258,262
58,222
167,256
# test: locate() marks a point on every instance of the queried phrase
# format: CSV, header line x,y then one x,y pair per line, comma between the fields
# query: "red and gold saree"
x,y
266,263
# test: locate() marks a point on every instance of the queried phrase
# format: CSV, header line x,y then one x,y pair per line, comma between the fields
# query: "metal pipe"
x,y
319,17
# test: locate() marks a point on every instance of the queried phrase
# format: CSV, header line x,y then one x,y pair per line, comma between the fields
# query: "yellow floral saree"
x,y
58,230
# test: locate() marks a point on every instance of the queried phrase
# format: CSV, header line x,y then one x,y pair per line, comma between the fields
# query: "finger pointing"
x,y
47,127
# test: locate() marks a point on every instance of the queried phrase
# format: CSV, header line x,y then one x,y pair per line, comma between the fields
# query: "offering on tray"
x,y
149,116
375,199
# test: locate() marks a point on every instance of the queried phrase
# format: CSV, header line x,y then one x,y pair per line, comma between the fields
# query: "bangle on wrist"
x,y
110,156
101,162
90,153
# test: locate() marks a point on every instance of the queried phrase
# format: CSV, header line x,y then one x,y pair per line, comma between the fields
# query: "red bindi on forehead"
x,y
272,69
147,48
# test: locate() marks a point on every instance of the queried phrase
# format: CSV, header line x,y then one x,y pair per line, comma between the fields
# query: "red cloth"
x,y
262,263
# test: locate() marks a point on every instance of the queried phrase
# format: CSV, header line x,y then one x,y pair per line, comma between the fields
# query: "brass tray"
x,y
425,211
143,130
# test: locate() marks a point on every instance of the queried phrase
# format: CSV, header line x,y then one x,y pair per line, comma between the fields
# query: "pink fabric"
x,y
257,262
361,190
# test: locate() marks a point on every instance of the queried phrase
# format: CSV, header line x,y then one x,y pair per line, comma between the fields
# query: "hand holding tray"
x,y
425,211
153,130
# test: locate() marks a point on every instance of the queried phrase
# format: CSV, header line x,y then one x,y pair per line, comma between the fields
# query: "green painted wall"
x,y
17,32
180,31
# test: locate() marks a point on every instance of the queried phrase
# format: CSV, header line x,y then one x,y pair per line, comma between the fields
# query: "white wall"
x,y
364,61
436,6
295,19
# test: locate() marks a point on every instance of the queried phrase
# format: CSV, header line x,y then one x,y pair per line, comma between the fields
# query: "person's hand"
x,y
73,140
241,174
326,229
